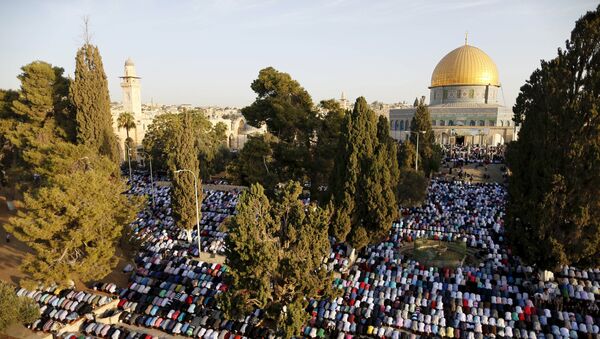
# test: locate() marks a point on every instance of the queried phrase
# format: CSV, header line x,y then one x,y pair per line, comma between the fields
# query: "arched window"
x,y
501,122
442,123
508,123
472,123
407,125
392,124
451,123
481,122
402,125
433,122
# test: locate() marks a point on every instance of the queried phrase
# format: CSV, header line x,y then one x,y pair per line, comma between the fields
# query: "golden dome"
x,y
466,65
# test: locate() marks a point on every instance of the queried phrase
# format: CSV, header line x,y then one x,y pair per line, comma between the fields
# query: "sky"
x,y
208,52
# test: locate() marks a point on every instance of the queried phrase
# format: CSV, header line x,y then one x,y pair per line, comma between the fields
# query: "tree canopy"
x,y
184,157
14,309
89,95
275,250
207,140
429,152
553,211
302,140
74,218
365,179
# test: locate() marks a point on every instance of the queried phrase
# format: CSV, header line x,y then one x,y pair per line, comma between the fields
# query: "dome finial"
x,y
466,38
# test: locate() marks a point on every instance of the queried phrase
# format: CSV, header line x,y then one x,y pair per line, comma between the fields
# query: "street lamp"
x,y
129,161
197,208
151,177
417,153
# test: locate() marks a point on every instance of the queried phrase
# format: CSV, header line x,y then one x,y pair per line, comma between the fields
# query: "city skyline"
x,y
206,53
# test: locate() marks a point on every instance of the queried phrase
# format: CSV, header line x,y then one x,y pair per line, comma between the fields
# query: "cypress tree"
x,y
365,179
90,98
275,251
184,157
553,214
429,152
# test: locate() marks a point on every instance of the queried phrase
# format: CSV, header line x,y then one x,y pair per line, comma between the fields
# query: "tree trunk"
x,y
188,233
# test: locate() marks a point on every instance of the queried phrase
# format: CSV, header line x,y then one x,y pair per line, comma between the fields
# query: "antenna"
x,y
466,38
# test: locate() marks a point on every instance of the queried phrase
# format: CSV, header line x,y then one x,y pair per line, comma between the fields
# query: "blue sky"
x,y
207,52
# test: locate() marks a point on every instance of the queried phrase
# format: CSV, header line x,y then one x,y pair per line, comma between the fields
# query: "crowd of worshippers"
x,y
387,294
384,293
468,154
216,207
169,289
59,307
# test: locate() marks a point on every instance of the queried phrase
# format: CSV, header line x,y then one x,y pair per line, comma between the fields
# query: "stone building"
x,y
463,102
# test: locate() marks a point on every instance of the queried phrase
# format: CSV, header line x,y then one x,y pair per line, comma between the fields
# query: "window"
x,y
501,122
433,122
451,123
445,94
392,124
459,92
402,125
481,122
407,125
508,123
472,123
492,123
442,123
471,93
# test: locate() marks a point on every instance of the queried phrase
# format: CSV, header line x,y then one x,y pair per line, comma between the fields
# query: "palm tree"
x,y
126,121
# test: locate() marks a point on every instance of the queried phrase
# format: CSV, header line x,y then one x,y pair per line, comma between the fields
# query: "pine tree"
x,y
36,115
73,220
365,179
90,98
553,214
36,98
429,152
275,250
185,157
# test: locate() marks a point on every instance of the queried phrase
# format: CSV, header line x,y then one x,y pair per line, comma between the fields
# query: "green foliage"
x,y
73,220
184,157
89,95
287,110
430,155
282,104
126,120
365,179
14,309
553,212
275,251
255,163
161,137
406,155
328,131
412,189
38,114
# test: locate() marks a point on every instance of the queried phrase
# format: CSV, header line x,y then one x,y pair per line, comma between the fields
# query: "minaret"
x,y
132,98
344,102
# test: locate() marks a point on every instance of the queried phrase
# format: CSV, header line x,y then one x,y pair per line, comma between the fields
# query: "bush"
x,y
14,309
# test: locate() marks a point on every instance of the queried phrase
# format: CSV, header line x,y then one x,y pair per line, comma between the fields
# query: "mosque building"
x,y
463,103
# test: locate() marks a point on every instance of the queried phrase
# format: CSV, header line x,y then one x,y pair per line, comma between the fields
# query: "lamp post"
x,y
151,178
197,208
129,161
417,153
